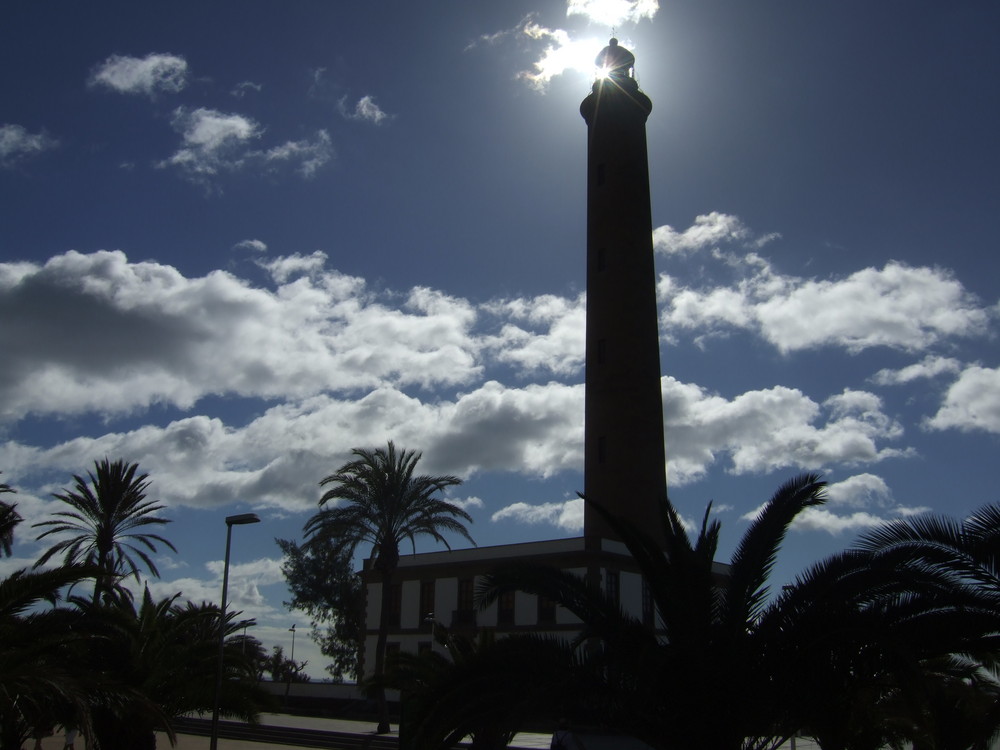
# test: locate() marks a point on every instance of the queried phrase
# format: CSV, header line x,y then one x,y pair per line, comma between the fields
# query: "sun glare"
x,y
569,55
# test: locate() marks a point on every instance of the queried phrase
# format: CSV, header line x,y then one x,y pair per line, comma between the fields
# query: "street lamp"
x,y
237,520
292,631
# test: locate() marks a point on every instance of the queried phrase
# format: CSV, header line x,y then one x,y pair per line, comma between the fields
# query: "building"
x,y
624,464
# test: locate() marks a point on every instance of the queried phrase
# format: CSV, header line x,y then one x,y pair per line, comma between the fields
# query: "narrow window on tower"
x,y
601,449
612,586
600,175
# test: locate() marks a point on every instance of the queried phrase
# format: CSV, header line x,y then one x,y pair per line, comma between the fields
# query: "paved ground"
x,y
528,740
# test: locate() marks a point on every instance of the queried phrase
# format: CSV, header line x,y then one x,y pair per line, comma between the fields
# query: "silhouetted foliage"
x,y
385,503
106,525
324,585
9,519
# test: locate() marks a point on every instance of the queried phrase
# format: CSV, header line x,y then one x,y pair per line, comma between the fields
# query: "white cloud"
x,y
308,155
245,87
613,13
256,246
562,54
823,519
771,429
929,367
897,306
972,402
327,364
547,333
567,515
273,461
171,339
708,231
859,502
214,142
16,143
859,491
365,109
141,75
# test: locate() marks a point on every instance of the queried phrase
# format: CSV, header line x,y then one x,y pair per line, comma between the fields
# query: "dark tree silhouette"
x,y
384,503
9,519
106,525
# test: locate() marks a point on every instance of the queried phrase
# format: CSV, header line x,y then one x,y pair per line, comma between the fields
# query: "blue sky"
x,y
240,238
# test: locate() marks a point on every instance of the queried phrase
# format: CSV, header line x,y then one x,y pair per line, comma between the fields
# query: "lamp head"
x,y
242,518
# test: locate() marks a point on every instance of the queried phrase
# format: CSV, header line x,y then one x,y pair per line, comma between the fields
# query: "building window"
x,y
505,608
546,610
426,613
647,604
395,603
465,614
612,586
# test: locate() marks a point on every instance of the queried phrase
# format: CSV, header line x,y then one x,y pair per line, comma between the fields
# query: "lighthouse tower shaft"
x,y
624,463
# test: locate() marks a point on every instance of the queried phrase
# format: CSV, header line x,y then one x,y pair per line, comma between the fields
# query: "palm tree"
x,y
165,654
43,678
106,523
699,679
385,504
9,518
484,688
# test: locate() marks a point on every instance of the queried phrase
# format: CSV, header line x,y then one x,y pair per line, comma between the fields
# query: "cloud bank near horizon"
x,y
481,387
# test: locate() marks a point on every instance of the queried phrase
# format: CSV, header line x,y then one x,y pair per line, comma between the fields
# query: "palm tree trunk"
x,y
381,704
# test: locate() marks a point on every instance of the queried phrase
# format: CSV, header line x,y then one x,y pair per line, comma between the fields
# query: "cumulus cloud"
x,y
567,516
16,144
862,501
546,333
708,231
897,306
167,338
149,75
214,142
972,402
930,366
332,364
365,109
859,491
774,428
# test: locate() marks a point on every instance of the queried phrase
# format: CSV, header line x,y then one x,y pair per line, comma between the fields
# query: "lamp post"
x,y
237,520
292,631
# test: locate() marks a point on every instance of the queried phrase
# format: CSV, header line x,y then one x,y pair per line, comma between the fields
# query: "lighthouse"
x,y
624,460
